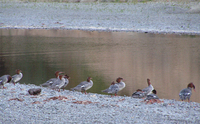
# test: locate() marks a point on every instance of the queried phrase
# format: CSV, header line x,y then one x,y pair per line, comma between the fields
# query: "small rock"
x,y
34,91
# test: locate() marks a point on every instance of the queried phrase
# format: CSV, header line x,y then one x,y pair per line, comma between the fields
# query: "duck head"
x,y
113,83
18,71
57,73
88,79
191,85
66,76
119,79
154,91
148,81
60,77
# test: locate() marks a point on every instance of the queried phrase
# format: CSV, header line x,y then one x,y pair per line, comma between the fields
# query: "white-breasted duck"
x,y
187,92
5,79
83,86
66,81
17,77
148,89
52,80
58,84
138,94
113,89
152,95
120,83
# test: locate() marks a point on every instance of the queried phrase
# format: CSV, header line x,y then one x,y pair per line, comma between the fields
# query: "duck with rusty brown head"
x,y
83,86
187,92
17,77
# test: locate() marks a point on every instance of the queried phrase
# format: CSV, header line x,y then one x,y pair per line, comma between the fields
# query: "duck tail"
x,y
105,91
72,89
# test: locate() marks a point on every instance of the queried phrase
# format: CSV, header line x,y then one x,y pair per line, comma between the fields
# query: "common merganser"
x,y
113,89
5,79
152,95
83,86
152,98
120,83
52,80
66,81
17,77
148,89
187,92
138,94
59,83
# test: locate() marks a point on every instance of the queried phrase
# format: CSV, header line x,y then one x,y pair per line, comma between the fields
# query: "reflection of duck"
x,y
66,81
5,79
138,94
83,86
152,95
52,80
120,83
113,89
58,84
187,92
148,89
17,77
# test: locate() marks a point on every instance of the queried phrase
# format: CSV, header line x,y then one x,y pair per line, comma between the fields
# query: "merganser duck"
x,y
59,83
187,92
152,95
52,80
120,83
148,89
5,79
138,94
17,77
152,98
66,81
113,89
83,86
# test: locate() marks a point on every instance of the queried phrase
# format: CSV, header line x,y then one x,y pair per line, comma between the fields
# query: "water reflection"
x,y
170,61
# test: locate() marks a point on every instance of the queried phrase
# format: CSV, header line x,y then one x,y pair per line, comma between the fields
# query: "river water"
x,y
170,61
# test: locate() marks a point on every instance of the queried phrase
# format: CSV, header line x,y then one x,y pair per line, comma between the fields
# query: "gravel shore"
x,y
155,17
17,106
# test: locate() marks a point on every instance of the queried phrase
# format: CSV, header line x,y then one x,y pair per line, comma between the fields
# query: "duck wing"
x,y
185,93
49,82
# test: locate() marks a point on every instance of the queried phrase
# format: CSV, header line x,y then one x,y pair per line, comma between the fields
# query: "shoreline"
x,y
150,17
104,29
74,107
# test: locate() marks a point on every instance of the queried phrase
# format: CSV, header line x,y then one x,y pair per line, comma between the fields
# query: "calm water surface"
x,y
170,61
